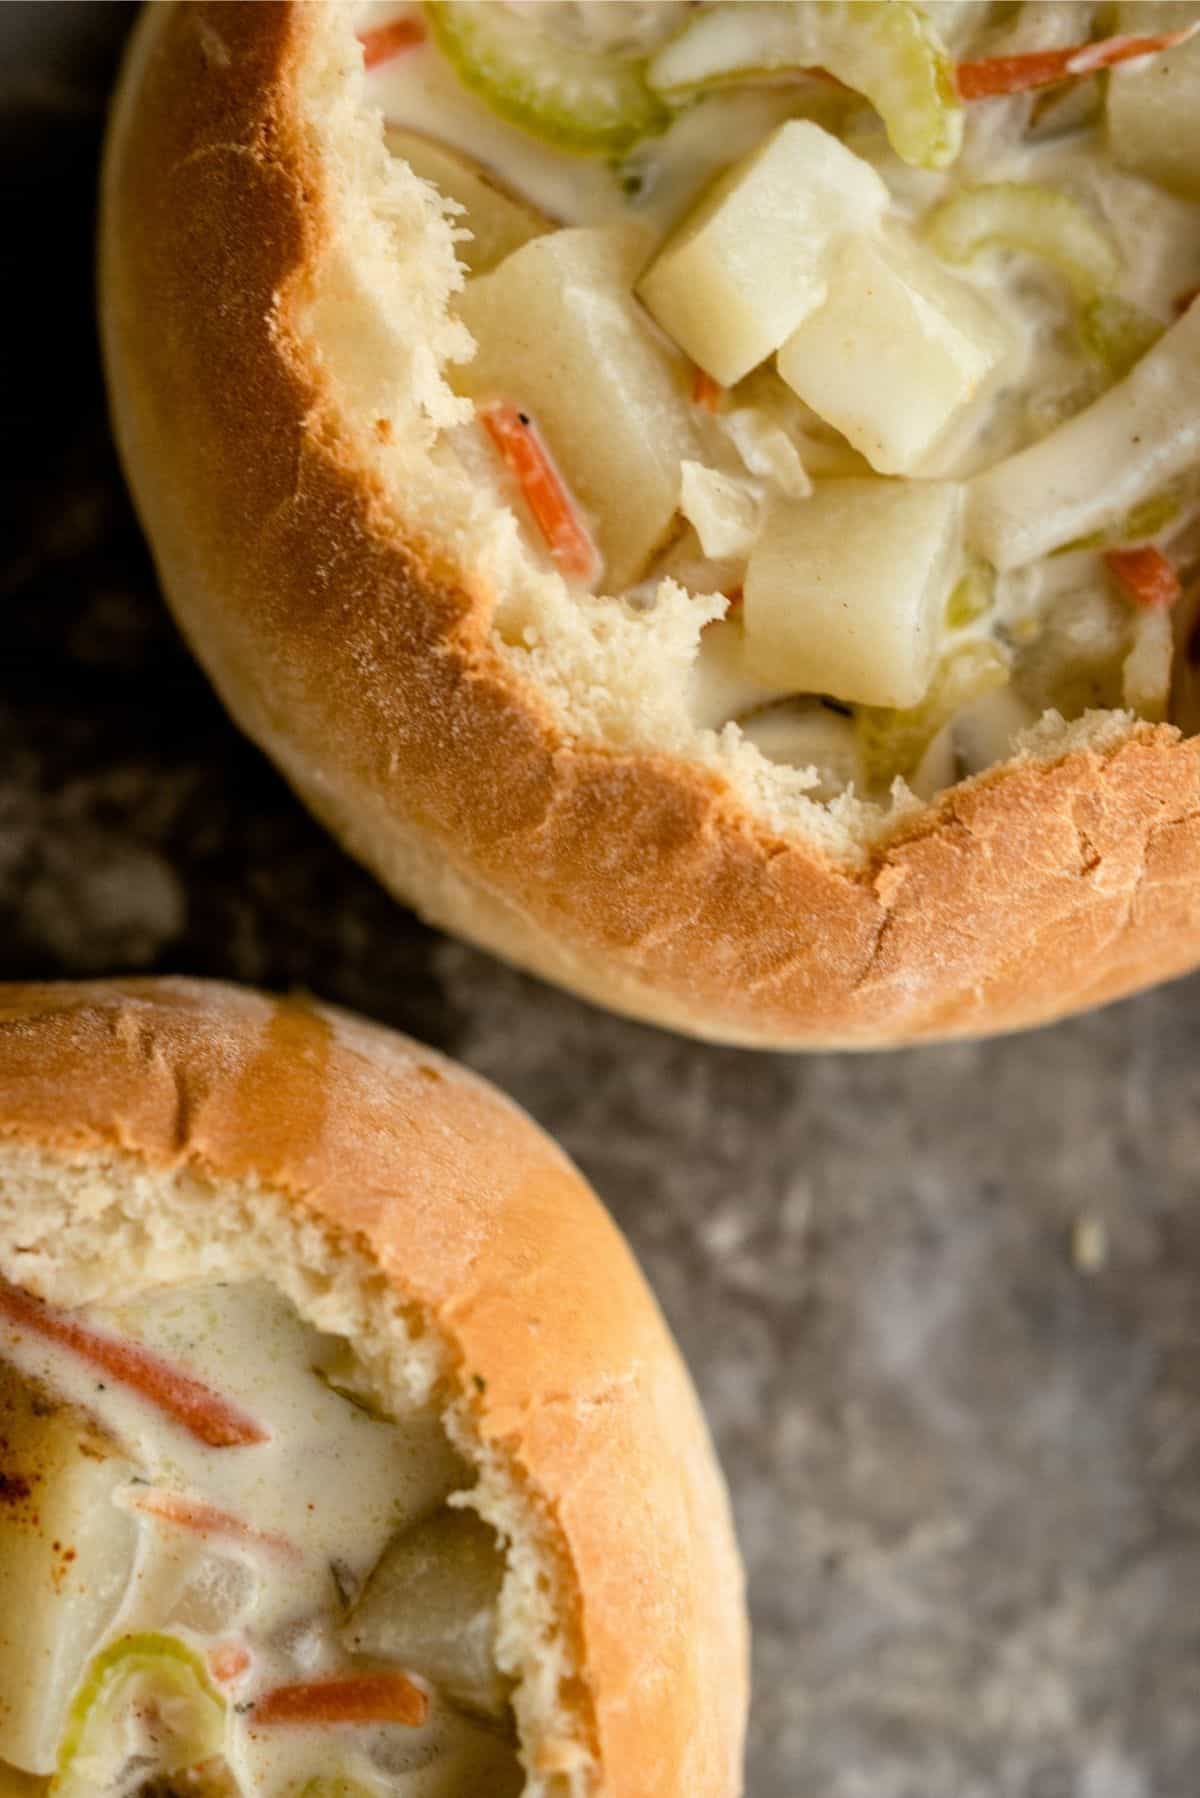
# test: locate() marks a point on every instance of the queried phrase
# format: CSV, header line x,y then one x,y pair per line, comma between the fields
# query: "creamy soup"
x,y
224,1569
877,321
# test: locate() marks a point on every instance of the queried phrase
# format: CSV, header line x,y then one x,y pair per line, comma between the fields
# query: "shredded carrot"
x,y
706,393
227,1661
391,40
1042,68
199,1410
544,489
386,1696
1145,575
205,1520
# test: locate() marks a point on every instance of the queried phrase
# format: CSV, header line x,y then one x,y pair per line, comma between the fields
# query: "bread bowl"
x,y
626,794
275,1285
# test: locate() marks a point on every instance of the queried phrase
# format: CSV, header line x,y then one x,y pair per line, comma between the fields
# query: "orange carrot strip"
x,y
546,494
706,393
199,1410
1042,68
387,1696
391,40
205,1520
1147,577
227,1661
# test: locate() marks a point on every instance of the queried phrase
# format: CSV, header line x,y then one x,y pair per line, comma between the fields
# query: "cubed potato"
x,y
846,591
748,263
1154,102
897,353
499,221
430,1604
66,1554
561,336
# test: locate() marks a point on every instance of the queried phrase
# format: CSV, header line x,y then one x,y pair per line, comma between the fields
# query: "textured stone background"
x,y
967,1469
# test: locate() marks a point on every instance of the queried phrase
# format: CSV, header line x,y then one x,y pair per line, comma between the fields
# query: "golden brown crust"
x,y
360,663
490,1235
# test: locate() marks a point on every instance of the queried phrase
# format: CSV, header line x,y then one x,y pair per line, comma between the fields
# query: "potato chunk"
x,y
1154,103
66,1554
748,263
897,353
499,222
561,336
430,1604
845,591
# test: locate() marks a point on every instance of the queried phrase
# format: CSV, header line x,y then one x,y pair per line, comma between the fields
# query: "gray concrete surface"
x,y
943,1306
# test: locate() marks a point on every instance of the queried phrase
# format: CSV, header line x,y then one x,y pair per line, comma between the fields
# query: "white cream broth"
x,y
319,1497
779,450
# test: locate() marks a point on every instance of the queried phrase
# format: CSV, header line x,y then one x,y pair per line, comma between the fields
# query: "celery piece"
x,y
1138,525
1043,221
971,598
891,54
1117,333
1136,439
1150,517
574,98
163,1677
893,742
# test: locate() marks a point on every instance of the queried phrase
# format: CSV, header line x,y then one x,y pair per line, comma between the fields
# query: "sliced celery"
x,y
1141,522
1117,333
891,54
1043,221
971,598
1137,439
893,742
577,99
162,1677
